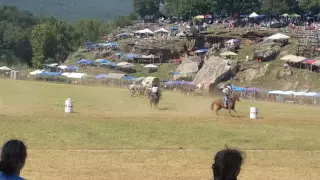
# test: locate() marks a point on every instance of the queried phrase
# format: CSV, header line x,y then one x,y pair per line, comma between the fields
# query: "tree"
x,y
310,5
41,37
146,7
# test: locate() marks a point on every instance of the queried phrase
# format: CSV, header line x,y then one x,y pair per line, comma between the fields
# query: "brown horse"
x,y
217,105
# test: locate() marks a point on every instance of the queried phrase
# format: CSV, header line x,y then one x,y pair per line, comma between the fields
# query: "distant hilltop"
x,y
73,10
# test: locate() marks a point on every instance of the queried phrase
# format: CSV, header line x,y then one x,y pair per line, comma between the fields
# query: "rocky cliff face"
x,y
216,70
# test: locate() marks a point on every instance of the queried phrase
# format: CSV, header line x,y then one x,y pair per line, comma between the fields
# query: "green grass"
x,y
108,119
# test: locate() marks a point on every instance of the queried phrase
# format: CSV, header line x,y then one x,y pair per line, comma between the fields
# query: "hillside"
x,y
74,9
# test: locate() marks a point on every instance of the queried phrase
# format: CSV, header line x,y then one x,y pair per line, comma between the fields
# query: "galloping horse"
x,y
217,105
154,99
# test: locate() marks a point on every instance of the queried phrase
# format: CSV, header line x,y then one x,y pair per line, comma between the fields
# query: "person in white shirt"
x,y
227,91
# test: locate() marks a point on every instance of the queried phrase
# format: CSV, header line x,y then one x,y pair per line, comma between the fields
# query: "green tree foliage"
x,y
42,37
146,7
310,5
188,8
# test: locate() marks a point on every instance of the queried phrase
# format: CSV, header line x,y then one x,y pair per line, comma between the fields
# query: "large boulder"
x,y
266,51
188,66
216,70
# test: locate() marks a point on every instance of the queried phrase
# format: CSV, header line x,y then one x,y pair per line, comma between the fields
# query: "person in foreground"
x,y
12,160
227,164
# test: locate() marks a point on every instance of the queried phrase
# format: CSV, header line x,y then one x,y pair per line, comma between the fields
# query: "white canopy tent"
x,y
144,31
125,65
278,36
293,58
162,30
63,67
74,75
181,34
5,68
36,72
253,15
228,53
151,66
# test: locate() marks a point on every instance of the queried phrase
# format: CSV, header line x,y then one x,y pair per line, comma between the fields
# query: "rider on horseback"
x,y
227,90
155,90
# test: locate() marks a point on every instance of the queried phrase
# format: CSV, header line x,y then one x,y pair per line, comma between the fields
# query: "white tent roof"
x,y
63,67
5,68
180,34
293,58
253,15
147,31
150,66
228,53
74,75
144,31
122,63
36,72
53,64
278,36
162,30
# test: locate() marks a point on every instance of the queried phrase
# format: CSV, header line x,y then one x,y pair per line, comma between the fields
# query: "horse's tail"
x,y
212,105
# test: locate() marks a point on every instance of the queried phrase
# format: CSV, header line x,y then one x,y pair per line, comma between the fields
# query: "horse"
x,y
217,105
154,99
132,89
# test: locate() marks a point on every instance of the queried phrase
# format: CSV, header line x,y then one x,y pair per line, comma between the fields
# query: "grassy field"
x,y
113,136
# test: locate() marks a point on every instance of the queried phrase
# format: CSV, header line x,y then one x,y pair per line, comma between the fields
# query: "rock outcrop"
x,y
188,66
216,70
266,51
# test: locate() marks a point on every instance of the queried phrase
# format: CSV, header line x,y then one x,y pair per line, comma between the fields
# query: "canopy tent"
x,y
50,74
62,67
122,63
102,61
52,65
88,43
162,30
285,15
84,61
278,36
125,65
199,17
228,53
233,41
175,73
115,76
282,92
294,15
181,34
144,31
36,72
112,44
132,56
139,79
5,68
101,76
151,66
174,29
118,54
252,89
310,61
293,58
72,68
123,34
316,63
253,15
238,89
74,75
129,78
201,51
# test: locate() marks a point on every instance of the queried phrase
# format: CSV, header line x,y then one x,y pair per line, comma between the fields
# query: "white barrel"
x,y
253,113
68,106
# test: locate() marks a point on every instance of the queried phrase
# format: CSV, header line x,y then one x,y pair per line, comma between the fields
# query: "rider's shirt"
x,y
154,89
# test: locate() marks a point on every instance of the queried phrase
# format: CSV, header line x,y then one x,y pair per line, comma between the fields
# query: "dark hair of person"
x,y
227,164
13,157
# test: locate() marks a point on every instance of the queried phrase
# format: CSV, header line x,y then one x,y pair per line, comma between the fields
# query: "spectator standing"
x,y
12,160
227,164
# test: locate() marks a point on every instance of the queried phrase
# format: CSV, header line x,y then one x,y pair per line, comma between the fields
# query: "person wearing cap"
x,y
227,90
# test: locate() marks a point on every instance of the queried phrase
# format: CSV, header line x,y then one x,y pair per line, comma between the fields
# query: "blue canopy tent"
x,y
88,43
104,61
201,51
85,61
174,29
123,34
101,76
118,54
131,56
174,73
238,89
112,44
50,74
72,68
128,78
